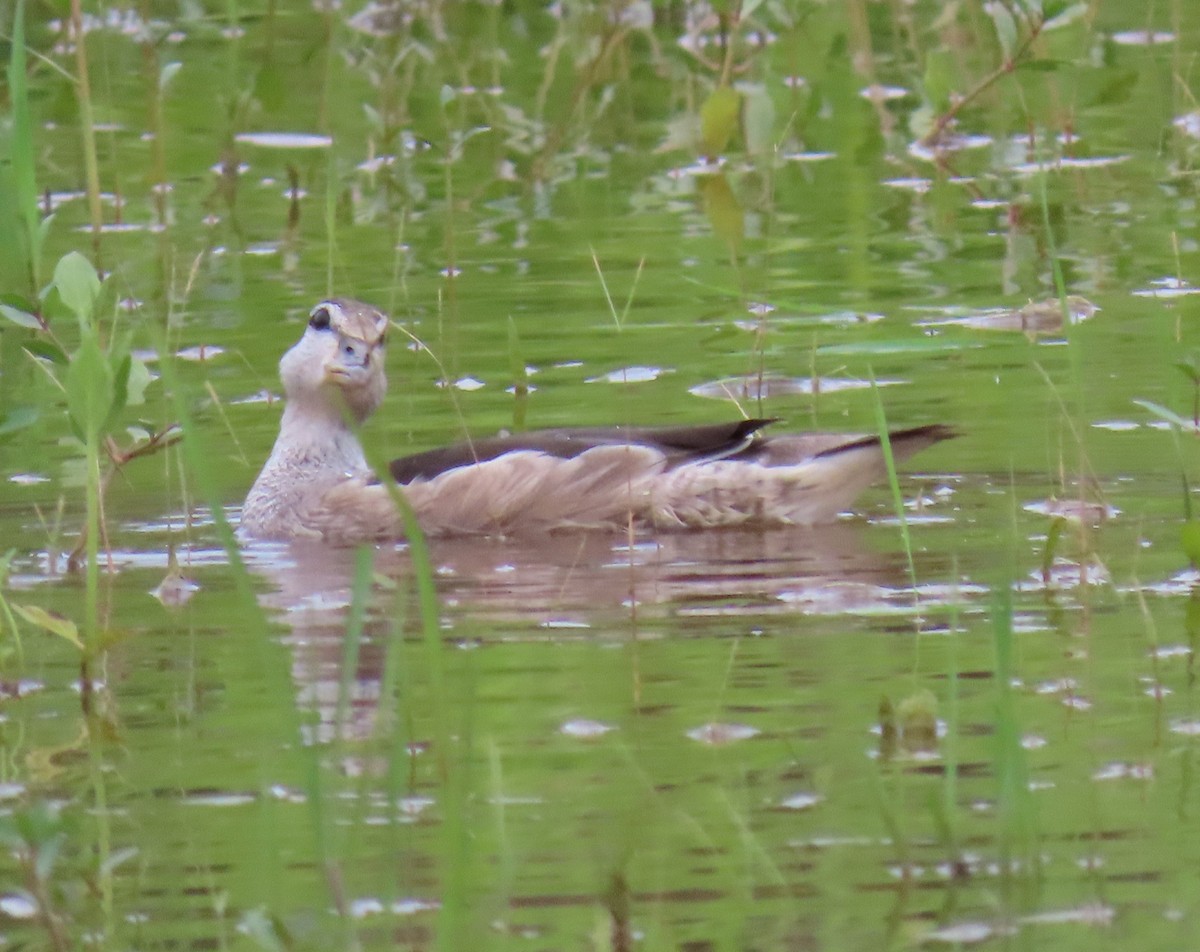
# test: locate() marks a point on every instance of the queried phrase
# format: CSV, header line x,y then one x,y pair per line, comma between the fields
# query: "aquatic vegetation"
x,y
487,745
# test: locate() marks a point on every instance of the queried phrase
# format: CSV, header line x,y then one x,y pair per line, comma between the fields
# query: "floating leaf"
x,y
719,119
919,345
52,622
78,284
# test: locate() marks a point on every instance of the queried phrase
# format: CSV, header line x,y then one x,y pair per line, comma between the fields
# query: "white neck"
x,y
314,429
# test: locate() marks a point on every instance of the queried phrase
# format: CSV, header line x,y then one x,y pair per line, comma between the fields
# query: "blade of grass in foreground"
x,y
889,462
1015,805
20,231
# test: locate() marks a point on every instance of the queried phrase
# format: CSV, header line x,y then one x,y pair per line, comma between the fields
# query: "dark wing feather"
x,y
679,443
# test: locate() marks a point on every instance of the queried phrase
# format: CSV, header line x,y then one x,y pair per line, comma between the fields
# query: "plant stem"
x,y
87,123
1006,67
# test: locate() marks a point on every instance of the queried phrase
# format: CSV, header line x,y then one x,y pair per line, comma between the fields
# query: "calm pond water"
x,y
768,740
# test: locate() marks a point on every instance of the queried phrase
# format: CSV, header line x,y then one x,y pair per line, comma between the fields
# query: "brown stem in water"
x,y
1008,66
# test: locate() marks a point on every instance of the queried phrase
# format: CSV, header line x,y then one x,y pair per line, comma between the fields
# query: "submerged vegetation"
x,y
965,715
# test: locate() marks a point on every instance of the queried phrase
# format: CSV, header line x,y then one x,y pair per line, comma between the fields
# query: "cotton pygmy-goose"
x,y
317,483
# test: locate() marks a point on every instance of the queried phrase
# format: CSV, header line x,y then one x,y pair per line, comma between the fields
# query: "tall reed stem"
x,y
87,122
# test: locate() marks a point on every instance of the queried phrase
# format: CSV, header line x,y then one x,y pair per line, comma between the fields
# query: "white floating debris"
x,y
1142,37
1122,771
218,799
1090,914
1169,287
200,353
409,907
630,375
18,906
918,185
1171,651
754,387
285,140
807,156
962,933
585,729
877,92
801,801
932,152
1069,162
368,906
372,165
1074,510
717,735
28,479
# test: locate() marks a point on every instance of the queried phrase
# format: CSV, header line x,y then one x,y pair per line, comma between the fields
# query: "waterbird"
x,y
317,483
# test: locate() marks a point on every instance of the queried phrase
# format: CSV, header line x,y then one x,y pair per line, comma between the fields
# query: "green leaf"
x,y
938,81
758,121
1189,369
166,74
50,621
45,350
78,285
1169,415
19,317
119,368
139,380
719,119
1068,15
90,388
22,156
1006,28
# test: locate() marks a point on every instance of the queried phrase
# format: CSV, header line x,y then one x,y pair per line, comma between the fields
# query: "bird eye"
x,y
319,319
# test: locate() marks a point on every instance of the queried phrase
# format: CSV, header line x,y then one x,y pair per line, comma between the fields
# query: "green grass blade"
x,y
20,232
